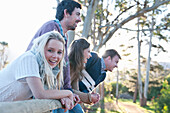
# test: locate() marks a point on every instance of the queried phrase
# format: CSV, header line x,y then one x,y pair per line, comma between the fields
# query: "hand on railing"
x,y
76,99
67,104
95,97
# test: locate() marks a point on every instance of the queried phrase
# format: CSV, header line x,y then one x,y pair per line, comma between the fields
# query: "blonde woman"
x,y
38,72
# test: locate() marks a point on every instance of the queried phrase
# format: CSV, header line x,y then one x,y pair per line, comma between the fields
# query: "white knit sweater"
x,y
13,84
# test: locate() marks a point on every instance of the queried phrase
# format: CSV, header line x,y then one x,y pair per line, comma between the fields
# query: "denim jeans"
x,y
76,109
60,110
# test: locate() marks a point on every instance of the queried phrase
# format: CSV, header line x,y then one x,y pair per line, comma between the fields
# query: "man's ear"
x,y
108,58
65,13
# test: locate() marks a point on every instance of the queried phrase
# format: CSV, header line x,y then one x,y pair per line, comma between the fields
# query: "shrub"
x,y
162,104
154,92
110,88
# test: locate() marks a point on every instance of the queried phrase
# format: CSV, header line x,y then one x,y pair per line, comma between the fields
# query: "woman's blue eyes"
x,y
49,50
59,52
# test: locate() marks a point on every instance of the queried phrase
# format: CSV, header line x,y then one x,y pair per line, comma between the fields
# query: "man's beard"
x,y
72,28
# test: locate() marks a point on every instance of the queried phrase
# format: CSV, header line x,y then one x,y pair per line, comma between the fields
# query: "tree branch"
x,y
137,14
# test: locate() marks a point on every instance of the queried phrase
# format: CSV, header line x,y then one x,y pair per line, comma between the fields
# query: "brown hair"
x,y
76,57
111,53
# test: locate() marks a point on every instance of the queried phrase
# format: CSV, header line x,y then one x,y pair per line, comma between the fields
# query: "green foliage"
x,y
157,75
110,88
3,54
122,4
153,92
4,43
131,82
108,99
162,104
168,79
156,67
164,25
155,86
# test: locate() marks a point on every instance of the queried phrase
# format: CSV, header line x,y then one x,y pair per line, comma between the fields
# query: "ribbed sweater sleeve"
x,y
27,66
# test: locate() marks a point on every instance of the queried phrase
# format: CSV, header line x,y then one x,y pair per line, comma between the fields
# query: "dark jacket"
x,y
93,67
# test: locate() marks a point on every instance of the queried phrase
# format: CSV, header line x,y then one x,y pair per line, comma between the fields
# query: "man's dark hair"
x,y
70,5
111,53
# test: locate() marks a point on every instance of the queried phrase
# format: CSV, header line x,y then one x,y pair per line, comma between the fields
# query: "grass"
x,y
149,108
110,106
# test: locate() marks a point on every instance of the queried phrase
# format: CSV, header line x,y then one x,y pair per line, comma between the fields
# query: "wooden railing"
x,y
30,106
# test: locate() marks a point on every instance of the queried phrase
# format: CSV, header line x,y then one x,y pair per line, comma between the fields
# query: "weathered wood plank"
x,y
29,106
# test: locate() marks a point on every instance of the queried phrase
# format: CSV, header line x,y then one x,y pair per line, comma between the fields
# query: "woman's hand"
x,y
76,99
70,96
67,103
95,97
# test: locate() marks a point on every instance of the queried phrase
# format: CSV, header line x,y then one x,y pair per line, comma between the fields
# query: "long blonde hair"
x,y
47,75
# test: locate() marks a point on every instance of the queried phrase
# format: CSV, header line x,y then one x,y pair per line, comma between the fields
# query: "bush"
x,y
168,79
154,92
125,96
162,104
110,88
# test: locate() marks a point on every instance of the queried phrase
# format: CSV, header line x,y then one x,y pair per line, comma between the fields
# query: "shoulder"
x,y
94,55
24,66
93,60
46,27
49,24
26,59
27,55
27,65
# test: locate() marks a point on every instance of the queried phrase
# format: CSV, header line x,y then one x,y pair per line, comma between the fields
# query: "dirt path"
x,y
130,108
121,107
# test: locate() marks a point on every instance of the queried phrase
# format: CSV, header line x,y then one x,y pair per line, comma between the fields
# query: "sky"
x,y
121,37
20,19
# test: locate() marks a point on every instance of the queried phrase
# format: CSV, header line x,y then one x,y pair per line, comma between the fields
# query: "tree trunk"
x,y
102,95
101,90
139,71
117,87
90,13
148,65
135,93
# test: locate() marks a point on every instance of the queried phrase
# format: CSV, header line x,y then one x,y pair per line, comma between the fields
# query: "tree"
x,y
148,63
136,92
105,28
117,86
139,69
160,48
3,54
100,23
